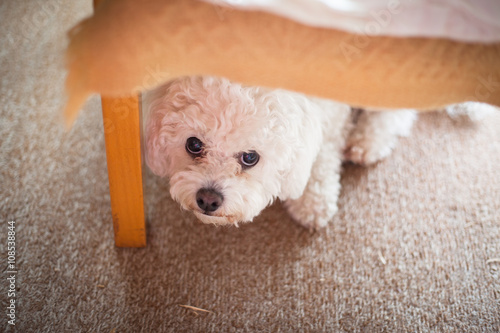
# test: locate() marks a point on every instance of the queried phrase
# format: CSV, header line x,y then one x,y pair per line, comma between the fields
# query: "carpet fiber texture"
x,y
415,246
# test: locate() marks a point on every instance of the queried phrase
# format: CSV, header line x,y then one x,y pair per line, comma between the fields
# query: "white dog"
x,y
230,150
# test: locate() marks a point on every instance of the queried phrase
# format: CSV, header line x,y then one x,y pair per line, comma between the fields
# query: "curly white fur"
x,y
300,140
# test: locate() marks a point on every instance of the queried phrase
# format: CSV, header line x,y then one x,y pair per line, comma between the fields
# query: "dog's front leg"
x,y
318,204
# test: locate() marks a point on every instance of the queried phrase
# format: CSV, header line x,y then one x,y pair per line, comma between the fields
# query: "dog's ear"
x,y
295,180
154,142
157,105
305,140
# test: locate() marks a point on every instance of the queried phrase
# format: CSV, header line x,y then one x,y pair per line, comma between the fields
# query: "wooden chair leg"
x,y
122,132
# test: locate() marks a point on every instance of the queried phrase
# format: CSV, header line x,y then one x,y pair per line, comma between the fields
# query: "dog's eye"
x,y
194,146
249,159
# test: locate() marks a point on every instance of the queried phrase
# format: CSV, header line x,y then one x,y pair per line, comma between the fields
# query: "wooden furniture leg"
x,y
122,132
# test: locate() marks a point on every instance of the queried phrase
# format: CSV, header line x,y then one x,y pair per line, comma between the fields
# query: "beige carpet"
x,y
412,249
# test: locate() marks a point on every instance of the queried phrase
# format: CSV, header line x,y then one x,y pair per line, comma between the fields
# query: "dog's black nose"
x,y
209,200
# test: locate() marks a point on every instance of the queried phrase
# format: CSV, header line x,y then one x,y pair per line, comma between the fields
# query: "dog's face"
x,y
228,151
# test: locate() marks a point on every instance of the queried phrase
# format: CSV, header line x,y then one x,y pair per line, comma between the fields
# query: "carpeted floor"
x,y
414,248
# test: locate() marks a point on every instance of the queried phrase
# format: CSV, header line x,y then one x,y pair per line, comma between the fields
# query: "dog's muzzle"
x,y
209,200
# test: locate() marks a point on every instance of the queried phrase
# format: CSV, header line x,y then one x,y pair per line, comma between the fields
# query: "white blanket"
x,y
464,20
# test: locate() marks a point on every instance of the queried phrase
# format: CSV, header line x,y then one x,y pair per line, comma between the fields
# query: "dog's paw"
x,y
365,151
376,134
311,215
470,111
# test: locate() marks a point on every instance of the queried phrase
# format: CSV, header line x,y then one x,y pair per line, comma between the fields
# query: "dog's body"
x,y
229,150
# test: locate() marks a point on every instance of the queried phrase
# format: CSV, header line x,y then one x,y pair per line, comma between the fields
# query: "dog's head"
x,y
229,150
